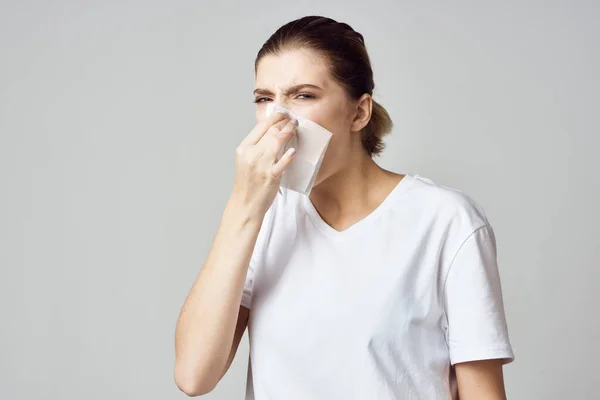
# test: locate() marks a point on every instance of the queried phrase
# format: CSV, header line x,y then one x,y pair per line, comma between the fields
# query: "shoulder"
x,y
449,211
449,217
282,212
285,204
447,202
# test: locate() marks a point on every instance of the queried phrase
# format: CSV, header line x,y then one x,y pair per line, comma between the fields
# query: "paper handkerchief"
x,y
311,141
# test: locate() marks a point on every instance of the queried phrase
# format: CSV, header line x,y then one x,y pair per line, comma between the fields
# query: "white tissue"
x,y
310,141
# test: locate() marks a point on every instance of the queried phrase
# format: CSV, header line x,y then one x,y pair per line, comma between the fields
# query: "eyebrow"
x,y
292,89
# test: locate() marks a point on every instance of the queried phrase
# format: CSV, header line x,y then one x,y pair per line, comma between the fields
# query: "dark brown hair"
x,y
346,55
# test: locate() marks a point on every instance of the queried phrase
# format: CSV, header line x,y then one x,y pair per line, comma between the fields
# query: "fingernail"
x,y
292,152
295,121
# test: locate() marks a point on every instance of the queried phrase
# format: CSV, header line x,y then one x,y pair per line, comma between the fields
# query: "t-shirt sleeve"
x,y
247,293
476,321
255,261
257,256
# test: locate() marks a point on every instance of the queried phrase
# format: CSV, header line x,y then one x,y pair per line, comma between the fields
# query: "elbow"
x,y
191,383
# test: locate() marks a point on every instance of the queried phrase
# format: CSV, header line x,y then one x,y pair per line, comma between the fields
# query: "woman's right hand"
x,y
258,171
212,320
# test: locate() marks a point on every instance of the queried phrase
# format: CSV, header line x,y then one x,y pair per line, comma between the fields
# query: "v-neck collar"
x,y
358,226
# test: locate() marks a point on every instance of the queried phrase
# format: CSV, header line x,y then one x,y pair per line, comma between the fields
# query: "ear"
x,y
362,116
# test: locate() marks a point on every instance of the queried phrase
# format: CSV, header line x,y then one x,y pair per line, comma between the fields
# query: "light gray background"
x,y
118,125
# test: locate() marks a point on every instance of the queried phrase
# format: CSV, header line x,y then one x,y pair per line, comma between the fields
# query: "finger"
x,y
278,168
276,128
277,137
282,129
261,128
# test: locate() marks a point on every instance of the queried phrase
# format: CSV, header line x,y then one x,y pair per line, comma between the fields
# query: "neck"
x,y
353,192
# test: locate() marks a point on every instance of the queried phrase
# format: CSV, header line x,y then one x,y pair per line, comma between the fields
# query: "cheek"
x,y
334,155
337,123
334,121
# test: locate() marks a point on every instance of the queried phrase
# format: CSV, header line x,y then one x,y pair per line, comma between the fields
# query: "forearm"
x,y
207,322
480,380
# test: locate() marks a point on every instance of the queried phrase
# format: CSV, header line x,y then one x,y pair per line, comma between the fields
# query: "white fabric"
x,y
310,141
381,310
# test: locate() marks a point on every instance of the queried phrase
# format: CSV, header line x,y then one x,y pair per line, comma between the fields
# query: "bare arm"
x,y
480,380
208,318
211,322
240,328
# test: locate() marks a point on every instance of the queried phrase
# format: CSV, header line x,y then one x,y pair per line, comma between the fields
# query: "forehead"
x,y
292,67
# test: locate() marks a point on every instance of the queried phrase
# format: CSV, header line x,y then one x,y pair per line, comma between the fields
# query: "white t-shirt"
x,y
381,310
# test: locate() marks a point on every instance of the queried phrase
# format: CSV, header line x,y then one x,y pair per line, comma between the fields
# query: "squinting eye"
x,y
261,99
306,95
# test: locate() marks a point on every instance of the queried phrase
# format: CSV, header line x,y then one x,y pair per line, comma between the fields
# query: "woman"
x,y
376,286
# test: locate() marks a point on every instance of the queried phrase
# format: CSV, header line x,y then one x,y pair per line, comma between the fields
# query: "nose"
x,y
281,102
262,111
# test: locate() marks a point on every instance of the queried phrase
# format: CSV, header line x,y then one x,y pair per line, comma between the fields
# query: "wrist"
x,y
237,209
